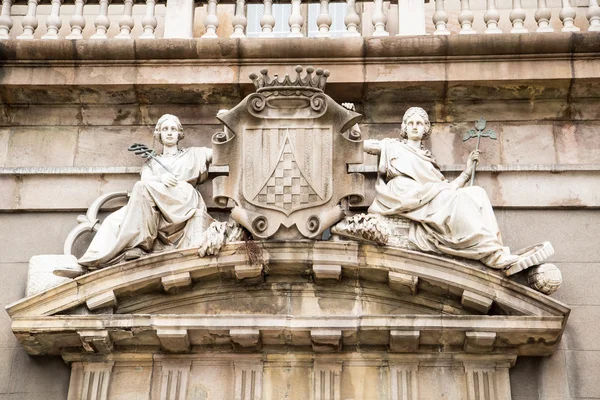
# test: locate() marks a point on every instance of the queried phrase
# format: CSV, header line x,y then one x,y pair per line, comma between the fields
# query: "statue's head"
x,y
418,111
171,118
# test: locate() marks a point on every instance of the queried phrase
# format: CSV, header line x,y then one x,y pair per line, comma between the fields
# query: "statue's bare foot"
x,y
530,256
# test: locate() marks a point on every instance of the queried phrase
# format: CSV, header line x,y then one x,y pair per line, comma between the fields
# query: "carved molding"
x,y
174,377
90,381
248,380
327,380
404,381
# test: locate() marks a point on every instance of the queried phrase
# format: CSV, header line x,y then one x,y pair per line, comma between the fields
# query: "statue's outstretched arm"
x,y
372,146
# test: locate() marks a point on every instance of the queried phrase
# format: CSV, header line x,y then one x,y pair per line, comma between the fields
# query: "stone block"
x,y
4,137
38,375
582,373
476,302
521,228
442,383
40,276
245,338
107,146
580,284
9,195
327,271
404,341
479,342
12,287
174,340
41,146
528,144
326,340
44,115
111,115
403,283
102,300
126,381
553,377
577,143
211,379
298,370
18,243
248,271
96,341
447,145
6,354
524,378
174,283
581,332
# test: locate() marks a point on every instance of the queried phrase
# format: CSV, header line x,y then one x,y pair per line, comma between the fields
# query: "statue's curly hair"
x,y
162,120
421,113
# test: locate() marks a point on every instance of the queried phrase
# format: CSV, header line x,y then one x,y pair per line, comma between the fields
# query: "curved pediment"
x,y
303,293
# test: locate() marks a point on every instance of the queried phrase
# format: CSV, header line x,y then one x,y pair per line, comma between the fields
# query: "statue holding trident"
x,y
446,217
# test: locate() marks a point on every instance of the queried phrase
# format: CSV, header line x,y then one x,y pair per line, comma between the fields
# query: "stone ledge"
x,y
183,333
82,51
358,261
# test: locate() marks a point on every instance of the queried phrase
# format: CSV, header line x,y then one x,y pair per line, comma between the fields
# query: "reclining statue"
x,y
445,217
164,209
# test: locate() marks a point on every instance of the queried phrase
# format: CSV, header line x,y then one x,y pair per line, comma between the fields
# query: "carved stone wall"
x,y
64,123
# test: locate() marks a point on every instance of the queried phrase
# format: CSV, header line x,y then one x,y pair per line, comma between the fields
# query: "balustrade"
x,y
145,19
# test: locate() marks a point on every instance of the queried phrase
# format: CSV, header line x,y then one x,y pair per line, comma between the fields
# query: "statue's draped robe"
x,y
157,216
458,222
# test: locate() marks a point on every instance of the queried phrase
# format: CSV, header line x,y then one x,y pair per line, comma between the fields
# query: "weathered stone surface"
x,y
581,367
52,146
528,144
109,146
40,275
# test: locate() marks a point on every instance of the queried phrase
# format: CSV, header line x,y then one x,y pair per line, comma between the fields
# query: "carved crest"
x,y
288,150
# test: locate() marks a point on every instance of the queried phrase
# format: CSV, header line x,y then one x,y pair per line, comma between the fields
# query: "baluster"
x,y
211,22
102,23
567,16
126,21
491,17
6,22
239,20
465,18
542,17
593,16
324,20
267,21
352,19
517,17
30,22
440,19
149,21
53,22
296,20
77,22
379,19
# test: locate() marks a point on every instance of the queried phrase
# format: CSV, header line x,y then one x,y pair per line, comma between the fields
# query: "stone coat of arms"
x,y
288,146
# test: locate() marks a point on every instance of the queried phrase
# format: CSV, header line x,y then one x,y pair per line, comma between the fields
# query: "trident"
x,y
478,132
143,151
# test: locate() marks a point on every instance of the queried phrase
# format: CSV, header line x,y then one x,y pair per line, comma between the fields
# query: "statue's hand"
x,y
474,156
169,179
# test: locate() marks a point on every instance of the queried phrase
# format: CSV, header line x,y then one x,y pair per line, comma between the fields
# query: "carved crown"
x,y
314,83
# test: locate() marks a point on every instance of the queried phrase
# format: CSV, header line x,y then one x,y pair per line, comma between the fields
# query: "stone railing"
x,y
129,19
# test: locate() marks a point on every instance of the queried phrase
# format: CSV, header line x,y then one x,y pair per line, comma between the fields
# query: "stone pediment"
x,y
328,295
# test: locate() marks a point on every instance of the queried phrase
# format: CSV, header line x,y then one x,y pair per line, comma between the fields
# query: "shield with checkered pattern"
x,y
292,170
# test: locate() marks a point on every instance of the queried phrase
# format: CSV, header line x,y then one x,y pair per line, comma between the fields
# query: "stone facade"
x,y
70,112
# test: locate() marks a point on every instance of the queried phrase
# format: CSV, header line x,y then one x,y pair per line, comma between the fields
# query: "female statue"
x,y
447,217
160,211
